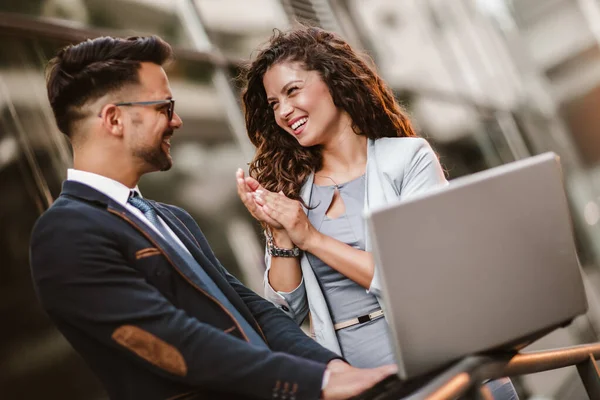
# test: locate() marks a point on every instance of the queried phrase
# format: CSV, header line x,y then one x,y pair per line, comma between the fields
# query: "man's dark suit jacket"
x,y
140,316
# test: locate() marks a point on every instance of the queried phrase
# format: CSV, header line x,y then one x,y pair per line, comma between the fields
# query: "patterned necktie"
x,y
152,216
150,213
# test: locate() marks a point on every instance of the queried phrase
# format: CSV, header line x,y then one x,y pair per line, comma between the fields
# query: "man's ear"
x,y
112,119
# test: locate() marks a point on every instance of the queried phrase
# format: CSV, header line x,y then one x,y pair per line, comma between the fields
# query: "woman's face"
x,y
302,104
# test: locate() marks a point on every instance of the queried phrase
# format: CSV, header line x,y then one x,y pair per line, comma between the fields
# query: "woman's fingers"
x,y
267,203
245,194
261,215
239,173
252,183
290,214
247,183
277,206
247,188
275,215
275,201
258,212
240,182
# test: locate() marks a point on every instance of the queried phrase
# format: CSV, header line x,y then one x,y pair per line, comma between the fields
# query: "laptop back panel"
x,y
484,262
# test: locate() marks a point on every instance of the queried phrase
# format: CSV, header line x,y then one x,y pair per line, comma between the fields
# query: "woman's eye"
x,y
292,90
273,105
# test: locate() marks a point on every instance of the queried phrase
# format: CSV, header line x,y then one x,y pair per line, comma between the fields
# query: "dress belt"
x,y
359,320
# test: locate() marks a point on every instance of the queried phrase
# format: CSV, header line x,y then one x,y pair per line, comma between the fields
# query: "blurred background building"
x,y
486,81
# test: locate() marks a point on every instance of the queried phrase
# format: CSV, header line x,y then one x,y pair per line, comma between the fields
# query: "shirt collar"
x,y
113,189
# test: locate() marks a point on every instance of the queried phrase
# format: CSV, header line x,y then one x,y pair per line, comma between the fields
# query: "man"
x,y
132,283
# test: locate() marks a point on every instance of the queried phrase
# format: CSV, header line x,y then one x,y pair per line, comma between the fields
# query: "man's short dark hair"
x,y
93,68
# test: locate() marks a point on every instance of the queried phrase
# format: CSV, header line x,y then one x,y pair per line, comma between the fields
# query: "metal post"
x,y
190,14
590,376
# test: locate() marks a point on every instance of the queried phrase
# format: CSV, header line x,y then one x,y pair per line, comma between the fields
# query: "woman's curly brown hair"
x,y
280,162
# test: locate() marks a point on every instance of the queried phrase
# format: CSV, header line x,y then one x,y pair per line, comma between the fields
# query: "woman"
x,y
331,142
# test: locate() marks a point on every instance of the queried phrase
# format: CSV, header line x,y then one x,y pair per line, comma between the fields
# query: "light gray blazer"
x,y
396,168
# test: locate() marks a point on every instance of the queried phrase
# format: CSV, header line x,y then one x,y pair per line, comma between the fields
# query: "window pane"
x,y
33,161
237,33
129,17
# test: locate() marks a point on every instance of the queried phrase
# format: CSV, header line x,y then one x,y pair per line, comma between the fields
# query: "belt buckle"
x,y
364,318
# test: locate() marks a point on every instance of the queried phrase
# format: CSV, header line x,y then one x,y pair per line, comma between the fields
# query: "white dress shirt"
x,y
119,193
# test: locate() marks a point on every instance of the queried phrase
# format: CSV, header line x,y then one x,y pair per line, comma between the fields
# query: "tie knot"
x,y
139,203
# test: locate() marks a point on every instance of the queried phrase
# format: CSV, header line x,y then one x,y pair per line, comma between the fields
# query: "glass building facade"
x,y
471,74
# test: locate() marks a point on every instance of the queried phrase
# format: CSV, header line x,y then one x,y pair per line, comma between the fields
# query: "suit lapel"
x,y
306,189
173,255
204,262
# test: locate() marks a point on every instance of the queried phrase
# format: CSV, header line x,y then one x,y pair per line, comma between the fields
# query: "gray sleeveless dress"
x,y
363,345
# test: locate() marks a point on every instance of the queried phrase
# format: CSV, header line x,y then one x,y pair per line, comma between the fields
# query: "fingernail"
x,y
259,192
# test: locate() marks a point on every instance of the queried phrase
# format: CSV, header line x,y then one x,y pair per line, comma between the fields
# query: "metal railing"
x,y
464,379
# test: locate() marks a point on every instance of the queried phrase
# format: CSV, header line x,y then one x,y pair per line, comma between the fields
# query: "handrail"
x,y
465,377
537,361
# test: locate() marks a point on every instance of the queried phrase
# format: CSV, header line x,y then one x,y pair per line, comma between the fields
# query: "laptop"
x,y
486,263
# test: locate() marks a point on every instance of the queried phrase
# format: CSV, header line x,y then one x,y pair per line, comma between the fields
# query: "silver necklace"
x,y
337,187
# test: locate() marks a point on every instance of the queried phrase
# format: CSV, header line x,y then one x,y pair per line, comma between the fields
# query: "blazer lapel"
x,y
206,264
306,189
375,192
172,254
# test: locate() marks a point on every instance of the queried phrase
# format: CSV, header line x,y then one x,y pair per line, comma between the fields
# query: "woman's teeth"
x,y
299,123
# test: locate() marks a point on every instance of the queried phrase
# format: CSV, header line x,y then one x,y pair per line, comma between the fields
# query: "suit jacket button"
x,y
284,308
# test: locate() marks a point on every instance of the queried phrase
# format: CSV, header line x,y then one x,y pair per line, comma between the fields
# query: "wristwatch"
x,y
278,251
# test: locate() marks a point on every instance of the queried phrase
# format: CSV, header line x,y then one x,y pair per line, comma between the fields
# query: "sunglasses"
x,y
170,102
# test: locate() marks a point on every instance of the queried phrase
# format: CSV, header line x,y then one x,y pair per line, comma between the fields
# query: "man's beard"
x,y
156,157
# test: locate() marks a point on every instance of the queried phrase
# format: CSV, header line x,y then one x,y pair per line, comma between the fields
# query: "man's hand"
x,y
346,381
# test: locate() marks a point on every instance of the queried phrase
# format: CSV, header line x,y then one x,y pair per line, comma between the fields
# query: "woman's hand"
x,y
246,186
289,214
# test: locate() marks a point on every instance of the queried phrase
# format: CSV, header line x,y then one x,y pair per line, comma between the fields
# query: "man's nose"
x,y
176,121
